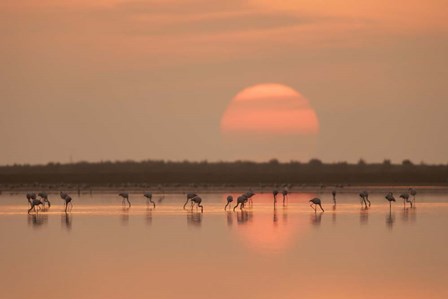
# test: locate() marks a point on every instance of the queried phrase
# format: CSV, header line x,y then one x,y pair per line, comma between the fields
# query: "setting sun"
x,y
269,109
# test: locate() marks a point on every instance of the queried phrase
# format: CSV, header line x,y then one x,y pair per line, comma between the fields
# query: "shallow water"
x,y
102,250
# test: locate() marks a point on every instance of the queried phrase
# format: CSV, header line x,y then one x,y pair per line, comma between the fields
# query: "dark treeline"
x,y
222,173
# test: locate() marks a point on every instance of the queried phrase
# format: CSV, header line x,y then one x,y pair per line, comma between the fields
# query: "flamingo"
x,y
413,192
334,196
275,193
285,194
316,202
197,200
229,200
44,199
189,197
249,195
125,196
30,196
34,202
390,197
365,198
148,195
67,199
240,201
405,197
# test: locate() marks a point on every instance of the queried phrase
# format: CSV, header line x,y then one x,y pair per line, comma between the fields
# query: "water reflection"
x,y
390,219
148,215
333,216
229,217
316,218
243,216
66,221
285,214
364,215
125,215
194,219
37,220
409,215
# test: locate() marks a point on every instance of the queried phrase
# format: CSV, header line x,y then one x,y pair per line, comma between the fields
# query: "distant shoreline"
x,y
224,175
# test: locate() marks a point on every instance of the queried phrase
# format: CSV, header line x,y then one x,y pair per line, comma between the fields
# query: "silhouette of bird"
x,y
413,192
44,199
67,199
33,201
316,202
405,197
285,194
390,197
190,196
197,200
275,193
229,200
334,196
148,195
249,195
364,198
240,201
30,196
125,196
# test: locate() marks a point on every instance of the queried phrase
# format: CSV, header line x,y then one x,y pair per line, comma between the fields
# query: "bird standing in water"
x,y
334,196
390,197
148,195
30,196
44,199
33,201
190,196
413,192
405,197
240,201
197,200
364,198
316,202
125,196
285,195
275,193
249,195
67,199
229,200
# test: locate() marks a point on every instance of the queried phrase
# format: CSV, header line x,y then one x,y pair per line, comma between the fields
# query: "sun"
x,y
269,109
273,117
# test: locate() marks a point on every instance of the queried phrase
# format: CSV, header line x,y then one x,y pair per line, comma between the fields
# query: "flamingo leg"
x,y
321,208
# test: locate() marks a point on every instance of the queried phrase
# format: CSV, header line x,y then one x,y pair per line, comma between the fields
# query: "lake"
x,y
104,250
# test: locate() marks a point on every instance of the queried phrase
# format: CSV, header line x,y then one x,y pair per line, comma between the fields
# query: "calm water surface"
x,y
102,250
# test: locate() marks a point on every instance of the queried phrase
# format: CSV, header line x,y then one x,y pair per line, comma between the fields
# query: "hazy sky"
x,y
114,80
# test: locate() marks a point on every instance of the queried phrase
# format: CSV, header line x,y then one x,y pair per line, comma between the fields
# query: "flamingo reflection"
x,y
316,218
194,218
66,221
364,215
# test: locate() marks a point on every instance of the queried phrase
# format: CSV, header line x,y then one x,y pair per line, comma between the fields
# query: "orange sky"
x,y
140,79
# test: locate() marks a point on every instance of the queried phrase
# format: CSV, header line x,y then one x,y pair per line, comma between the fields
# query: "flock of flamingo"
x,y
40,201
